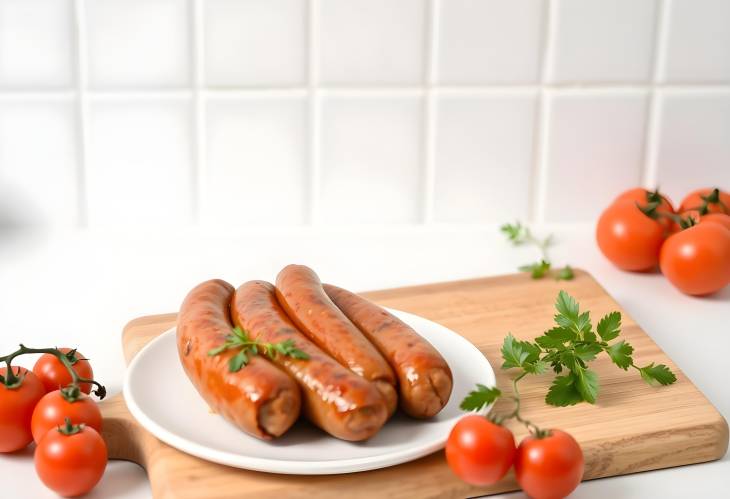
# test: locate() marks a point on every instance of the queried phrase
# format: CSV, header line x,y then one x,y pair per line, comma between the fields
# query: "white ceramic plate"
x,y
162,399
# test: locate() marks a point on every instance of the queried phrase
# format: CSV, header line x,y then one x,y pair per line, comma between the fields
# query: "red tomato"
x,y
697,260
479,451
54,375
53,409
16,409
550,467
694,201
644,197
717,218
71,464
630,239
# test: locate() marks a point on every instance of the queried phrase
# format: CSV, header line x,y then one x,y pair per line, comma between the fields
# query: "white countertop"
x,y
80,289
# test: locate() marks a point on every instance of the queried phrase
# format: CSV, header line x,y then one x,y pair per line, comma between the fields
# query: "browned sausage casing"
x,y
335,399
300,292
261,399
424,377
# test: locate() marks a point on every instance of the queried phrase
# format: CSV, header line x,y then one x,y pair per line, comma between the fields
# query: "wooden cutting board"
x,y
633,427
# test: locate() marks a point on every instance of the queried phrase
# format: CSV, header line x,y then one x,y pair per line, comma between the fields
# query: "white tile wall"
x,y
602,41
231,113
694,141
255,42
698,37
593,150
490,41
139,167
38,158
370,160
138,43
371,41
35,43
484,157
256,162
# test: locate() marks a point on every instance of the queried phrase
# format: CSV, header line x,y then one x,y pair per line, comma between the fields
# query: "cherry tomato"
x,y
16,409
53,409
717,218
644,197
550,467
479,451
71,464
697,260
694,201
630,239
54,375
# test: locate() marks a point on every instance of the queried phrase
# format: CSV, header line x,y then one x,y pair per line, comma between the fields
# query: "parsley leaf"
x,y
563,391
567,307
587,384
536,270
587,351
609,326
515,232
239,339
237,361
657,374
565,274
537,367
517,353
479,398
555,337
620,354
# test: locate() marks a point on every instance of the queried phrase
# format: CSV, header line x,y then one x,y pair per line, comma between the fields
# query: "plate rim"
x,y
287,466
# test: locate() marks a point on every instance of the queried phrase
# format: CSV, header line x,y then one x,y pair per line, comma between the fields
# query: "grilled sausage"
x,y
335,399
300,293
424,377
261,399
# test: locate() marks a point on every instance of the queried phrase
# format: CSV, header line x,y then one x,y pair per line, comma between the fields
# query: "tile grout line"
x,y
372,90
82,110
197,189
537,198
650,167
428,123
314,115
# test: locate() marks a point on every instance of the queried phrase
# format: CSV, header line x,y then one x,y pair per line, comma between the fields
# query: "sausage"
x,y
335,399
424,377
300,292
261,399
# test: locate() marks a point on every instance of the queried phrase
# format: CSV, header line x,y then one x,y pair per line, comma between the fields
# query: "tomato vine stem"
x,y
13,381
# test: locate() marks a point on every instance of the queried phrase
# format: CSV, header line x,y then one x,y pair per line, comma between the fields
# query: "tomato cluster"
x,y
691,245
548,464
45,405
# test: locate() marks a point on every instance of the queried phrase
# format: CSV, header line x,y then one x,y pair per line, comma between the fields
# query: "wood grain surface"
x,y
633,427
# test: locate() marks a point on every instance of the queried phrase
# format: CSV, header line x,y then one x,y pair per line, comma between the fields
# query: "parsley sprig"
x,y
519,235
239,339
567,349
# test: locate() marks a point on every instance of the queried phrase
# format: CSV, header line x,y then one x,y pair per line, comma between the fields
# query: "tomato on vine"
x,y
71,459
630,236
57,406
479,451
644,198
697,259
706,201
549,466
54,375
20,391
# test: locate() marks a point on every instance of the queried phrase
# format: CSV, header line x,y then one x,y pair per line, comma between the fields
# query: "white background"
x,y
146,145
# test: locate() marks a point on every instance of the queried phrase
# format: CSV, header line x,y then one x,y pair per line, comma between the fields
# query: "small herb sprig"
x,y
239,339
518,235
567,348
